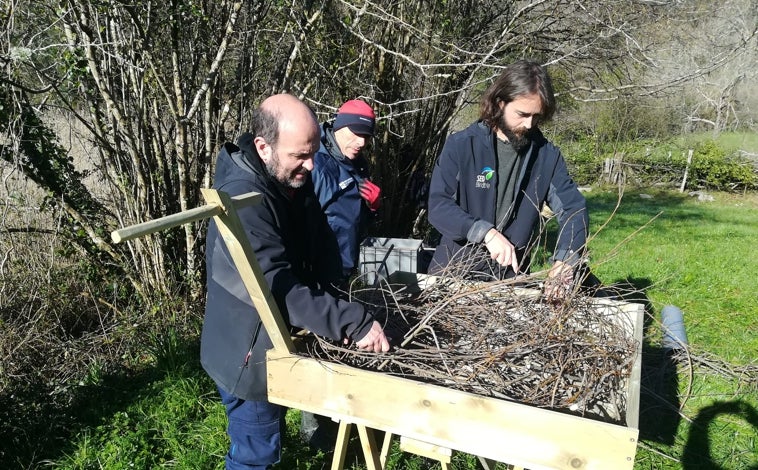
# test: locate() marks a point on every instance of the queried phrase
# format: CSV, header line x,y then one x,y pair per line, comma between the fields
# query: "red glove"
x,y
370,192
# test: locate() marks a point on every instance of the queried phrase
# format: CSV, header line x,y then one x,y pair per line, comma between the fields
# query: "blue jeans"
x,y
255,432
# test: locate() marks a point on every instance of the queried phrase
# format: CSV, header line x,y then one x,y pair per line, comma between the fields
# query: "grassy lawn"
x,y
699,256
746,142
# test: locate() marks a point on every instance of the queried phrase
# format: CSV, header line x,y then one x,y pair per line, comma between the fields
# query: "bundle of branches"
x,y
501,340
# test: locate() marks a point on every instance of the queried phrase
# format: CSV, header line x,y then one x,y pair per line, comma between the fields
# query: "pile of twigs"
x,y
499,340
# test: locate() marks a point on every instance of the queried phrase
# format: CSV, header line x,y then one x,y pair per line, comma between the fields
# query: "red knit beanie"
x,y
357,116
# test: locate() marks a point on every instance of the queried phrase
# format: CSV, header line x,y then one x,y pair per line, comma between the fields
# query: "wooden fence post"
x,y
686,171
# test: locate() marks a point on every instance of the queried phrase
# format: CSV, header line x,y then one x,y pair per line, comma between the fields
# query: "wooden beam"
x,y
181,218
425,449
340,447
370,451
231,230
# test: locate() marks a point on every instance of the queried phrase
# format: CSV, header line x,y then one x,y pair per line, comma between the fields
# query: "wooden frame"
x,y
427,416
491,428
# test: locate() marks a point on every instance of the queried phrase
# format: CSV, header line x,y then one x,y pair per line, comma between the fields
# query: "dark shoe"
x,y
320,432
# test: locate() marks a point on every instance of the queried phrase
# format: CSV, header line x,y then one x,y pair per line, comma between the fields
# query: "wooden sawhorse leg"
x,y
340,448
368,444
377,460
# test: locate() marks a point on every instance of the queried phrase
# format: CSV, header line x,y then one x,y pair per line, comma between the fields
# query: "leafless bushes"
x,y
52,328
54,324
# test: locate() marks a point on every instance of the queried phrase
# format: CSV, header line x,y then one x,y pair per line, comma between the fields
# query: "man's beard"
x,y
287,180
520,138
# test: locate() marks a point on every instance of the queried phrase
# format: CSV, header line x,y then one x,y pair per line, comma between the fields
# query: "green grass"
x,y
729,141
167,425
699,256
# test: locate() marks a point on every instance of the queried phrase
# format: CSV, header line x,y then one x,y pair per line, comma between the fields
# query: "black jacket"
x,y
298,256
463,192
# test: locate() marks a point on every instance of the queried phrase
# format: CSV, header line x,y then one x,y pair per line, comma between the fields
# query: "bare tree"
x,y
158,87
699,60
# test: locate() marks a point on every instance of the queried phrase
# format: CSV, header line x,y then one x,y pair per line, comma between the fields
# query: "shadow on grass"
x,y
659,400
698,451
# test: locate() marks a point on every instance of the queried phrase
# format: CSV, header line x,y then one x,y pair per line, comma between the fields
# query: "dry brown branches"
x,y
499,340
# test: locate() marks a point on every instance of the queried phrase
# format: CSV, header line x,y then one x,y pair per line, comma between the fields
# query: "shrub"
x,y
582,160
713,168
653,163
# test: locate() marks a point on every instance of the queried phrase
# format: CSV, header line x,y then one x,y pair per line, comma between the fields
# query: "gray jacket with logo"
x,y
462,199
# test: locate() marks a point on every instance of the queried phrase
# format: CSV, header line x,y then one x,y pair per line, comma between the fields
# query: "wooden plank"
x,y
242,254
637,313
386,443
631,316
425,449
494,429
181,218
370,451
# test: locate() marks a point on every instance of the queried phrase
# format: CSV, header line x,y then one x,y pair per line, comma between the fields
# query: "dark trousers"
x,y
254,429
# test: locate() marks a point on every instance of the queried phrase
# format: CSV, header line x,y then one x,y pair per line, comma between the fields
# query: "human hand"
x,y
501,250
374,340
560,277
370,192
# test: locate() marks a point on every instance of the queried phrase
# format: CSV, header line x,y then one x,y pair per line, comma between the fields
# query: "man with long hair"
x,y
492,179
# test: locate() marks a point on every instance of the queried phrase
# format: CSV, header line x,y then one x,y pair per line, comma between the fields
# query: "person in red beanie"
x,y
350,200
341,178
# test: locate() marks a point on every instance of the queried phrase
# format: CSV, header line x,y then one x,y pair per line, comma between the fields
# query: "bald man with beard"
x,y
299,258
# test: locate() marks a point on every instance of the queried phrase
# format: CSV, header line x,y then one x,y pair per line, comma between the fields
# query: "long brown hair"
x,y
520,78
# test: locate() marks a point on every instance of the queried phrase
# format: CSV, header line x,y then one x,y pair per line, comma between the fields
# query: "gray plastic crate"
x,y
380,257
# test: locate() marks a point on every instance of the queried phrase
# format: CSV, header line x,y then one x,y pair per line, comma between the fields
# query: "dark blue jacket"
x,y
335,180
463,192
297,254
